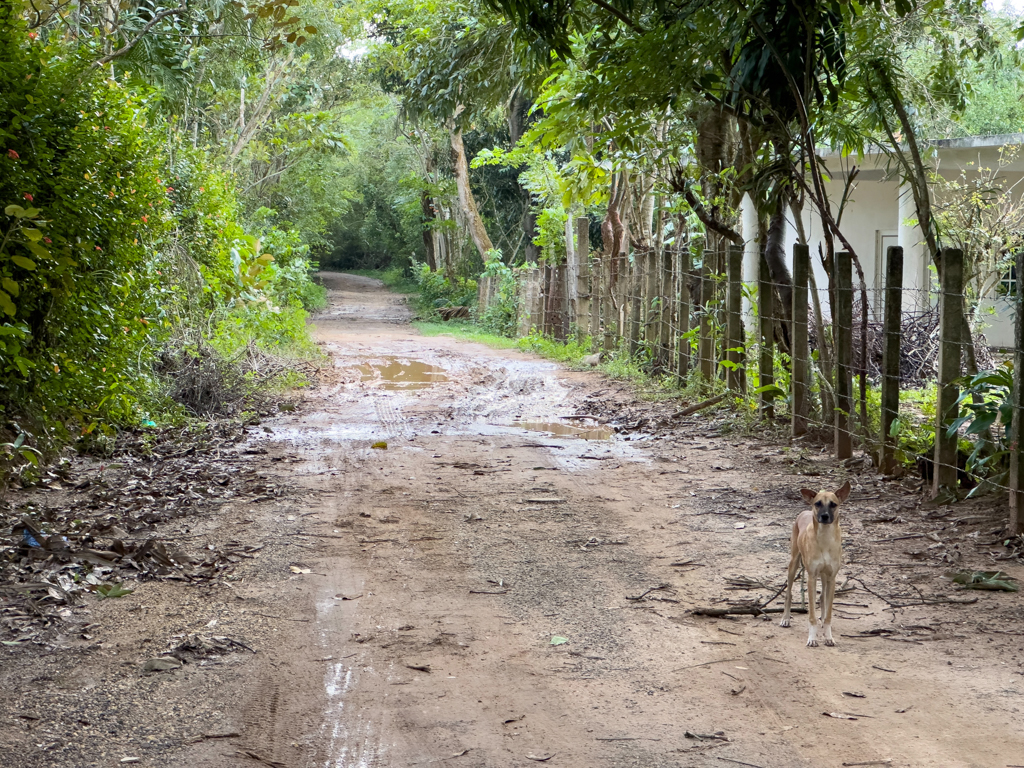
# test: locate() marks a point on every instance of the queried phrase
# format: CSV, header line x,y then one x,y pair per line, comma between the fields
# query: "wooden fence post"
x,y
799,349
1015,526
526,304
523,310
596,291
558,302
766,331
608,312
684,265
539,301
652,307
622,293
545,301
734,319
583,290
893,316
636,286
842,332
666,307
706,343
950,348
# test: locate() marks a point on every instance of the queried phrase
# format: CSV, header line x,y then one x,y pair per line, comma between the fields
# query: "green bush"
x,y
85,211
112,253
502,313
437,291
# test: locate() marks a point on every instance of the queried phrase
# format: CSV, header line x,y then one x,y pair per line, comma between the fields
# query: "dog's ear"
x,y
843,492
808,494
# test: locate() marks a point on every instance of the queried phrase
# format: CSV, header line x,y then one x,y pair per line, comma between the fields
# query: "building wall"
x,y
879,213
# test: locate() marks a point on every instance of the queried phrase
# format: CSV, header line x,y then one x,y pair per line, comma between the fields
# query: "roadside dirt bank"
x,y
480,594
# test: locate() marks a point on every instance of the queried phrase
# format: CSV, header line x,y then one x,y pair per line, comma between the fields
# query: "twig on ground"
x,y
259,758
738,762
708,663
279,618
648,591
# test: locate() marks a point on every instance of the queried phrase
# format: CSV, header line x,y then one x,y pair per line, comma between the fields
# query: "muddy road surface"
x,y
468,574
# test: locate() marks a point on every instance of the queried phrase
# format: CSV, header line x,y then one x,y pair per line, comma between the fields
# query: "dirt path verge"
x,y
480,594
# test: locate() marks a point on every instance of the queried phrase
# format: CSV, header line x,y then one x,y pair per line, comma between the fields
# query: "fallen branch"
x,y
701,406
922,601
741,610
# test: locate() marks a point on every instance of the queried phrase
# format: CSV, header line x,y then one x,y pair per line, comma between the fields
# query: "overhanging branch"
x,y
157,18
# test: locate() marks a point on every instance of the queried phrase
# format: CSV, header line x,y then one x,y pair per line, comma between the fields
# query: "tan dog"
x,y
817,543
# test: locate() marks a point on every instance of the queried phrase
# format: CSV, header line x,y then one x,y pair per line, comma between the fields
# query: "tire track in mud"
x,y
393,422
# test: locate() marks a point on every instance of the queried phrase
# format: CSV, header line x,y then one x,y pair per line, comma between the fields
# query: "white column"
x,y
748,228
916,275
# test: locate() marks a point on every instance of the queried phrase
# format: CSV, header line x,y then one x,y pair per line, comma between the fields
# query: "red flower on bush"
x,y
47,240
28,197
13,155
145,218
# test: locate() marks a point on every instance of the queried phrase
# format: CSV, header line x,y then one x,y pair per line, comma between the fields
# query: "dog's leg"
x,y
812,620
828,593
794,560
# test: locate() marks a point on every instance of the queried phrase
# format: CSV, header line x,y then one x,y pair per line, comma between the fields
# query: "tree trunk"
x,y
477,231
426,219
775,257
612,231
518,117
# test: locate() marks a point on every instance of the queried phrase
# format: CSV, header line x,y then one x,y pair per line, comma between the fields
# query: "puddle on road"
x,y
402,373
585,429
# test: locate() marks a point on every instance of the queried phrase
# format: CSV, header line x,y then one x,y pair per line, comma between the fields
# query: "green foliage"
x,y
914,430
381,223
437,291
551,235
985,415
465,331
570,352
502,313
81,285
118,238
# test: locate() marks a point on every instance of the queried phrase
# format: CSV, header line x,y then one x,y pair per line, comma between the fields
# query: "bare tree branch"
x,y
706,218
135,40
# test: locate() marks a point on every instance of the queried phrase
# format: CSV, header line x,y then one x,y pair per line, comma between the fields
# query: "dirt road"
x,y
481,594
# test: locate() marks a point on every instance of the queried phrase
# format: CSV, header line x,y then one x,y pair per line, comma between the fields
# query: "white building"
x,y
881,213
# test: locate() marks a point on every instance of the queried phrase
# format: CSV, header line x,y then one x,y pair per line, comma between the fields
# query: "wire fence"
x,y
831,358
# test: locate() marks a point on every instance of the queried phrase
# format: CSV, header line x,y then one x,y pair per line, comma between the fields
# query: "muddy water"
x,y
585,430
400,373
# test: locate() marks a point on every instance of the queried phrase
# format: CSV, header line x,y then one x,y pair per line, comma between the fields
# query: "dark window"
x,y
1008,283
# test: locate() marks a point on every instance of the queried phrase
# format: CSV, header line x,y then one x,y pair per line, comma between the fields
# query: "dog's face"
x,y
826,503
